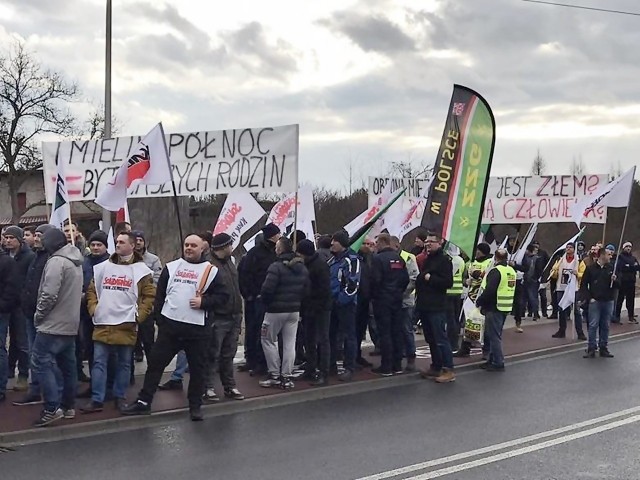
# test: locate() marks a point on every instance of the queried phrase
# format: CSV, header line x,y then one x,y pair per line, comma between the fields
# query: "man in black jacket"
x,y
316,315
9,296
19,344
389,279
227,320
432,283
252,272
28,302
285,285
597,289
627,271
189,290
364,318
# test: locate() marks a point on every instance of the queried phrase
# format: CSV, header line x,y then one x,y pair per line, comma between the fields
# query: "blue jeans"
x,y
34,388
407,329
343,335
434,326
493,325
599,317
18,345
181,367
122,354
253,317
53,362
4,357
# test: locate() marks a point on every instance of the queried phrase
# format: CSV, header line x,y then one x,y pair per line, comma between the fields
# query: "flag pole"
x,y
106,214
173,184
295,208
624,223
604,227
73,232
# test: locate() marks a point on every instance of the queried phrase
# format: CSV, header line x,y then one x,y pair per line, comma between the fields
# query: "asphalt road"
x,y
456,431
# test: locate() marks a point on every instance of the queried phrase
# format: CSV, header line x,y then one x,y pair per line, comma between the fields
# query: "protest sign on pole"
x,y
203,163
240,212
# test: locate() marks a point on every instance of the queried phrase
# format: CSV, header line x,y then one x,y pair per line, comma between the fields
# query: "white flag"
x,y
283,213
408,219
149,165
615,194
518,257
60,210
354,225
569,296
111,244
240,212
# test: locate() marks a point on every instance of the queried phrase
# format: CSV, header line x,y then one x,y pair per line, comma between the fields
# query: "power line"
x,y
582,7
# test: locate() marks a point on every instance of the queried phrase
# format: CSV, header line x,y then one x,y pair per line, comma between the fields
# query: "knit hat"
x,y
221,241
299,235
484,248
305,247
44,228
342,238
270,230
14,231
98,236
611,247
138,234
627,244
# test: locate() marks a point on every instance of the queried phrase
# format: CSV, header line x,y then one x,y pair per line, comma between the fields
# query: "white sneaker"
x,y
519,330
210,396
69,413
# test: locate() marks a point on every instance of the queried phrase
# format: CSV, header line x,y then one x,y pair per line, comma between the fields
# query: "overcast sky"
x,y
369,81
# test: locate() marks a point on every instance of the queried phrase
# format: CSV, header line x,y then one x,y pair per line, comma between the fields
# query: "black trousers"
x,y
222,351
365,320
389,322
454,308
518,308
146,335
316,339
544,304
166,347
627,292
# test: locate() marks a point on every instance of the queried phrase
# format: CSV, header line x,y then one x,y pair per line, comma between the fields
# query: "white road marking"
x,y
501,446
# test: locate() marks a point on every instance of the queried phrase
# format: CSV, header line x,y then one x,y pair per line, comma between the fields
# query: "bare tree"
x,y
577,166
539,166
93,128
32,102
406,169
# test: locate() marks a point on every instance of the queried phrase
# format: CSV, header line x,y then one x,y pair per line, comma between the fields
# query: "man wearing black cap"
x,y
627,270
344,269
316,315
19,344
28,302
252,272
227,320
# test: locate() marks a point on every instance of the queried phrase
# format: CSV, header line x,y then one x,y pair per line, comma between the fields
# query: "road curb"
x,y
167,417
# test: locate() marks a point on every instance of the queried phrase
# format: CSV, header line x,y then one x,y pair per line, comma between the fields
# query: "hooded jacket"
x,y
229,274
23,259
9,292
286,284
627,268
58,307
125,333
253,267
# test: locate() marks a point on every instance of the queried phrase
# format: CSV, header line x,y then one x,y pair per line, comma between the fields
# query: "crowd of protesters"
x,y
305,304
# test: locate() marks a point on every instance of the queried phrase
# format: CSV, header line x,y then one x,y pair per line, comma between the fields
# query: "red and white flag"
x,y
149,165
240,212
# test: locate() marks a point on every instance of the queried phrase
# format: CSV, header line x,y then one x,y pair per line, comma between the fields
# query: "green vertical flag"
x,y
357,239
457,193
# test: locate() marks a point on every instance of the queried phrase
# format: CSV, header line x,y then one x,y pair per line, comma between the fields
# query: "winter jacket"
x,y
532,275
364,289
389,278
319,298
252,269
29,295
627,268
227,268
596,283
325,254
125,333
409,297
345,274
9,291
213,298
431,295
23,259
155,265
90,261
58,307
286,284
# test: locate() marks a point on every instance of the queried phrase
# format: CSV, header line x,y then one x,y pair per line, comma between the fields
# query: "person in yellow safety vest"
x,y
454,297
476,271
495,303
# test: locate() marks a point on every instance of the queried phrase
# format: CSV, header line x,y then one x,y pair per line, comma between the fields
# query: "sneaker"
x,y
590,354
47,417
519,330
494,368
431,373
246,368
633,320
381,372
233,393
287,383
447,376
320,381
210,396
83,378
195,413
22,385
29,399
68,413
484,365
120,404
171,385
137,408
605,353
346,376
462,353
270,382
92,407
558,335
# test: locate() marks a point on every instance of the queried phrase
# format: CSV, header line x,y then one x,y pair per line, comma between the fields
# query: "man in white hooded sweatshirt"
x,y
561,273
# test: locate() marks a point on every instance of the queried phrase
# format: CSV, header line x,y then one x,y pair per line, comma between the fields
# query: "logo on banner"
x,y
283,210
228,219
458,109
121,283
186,276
